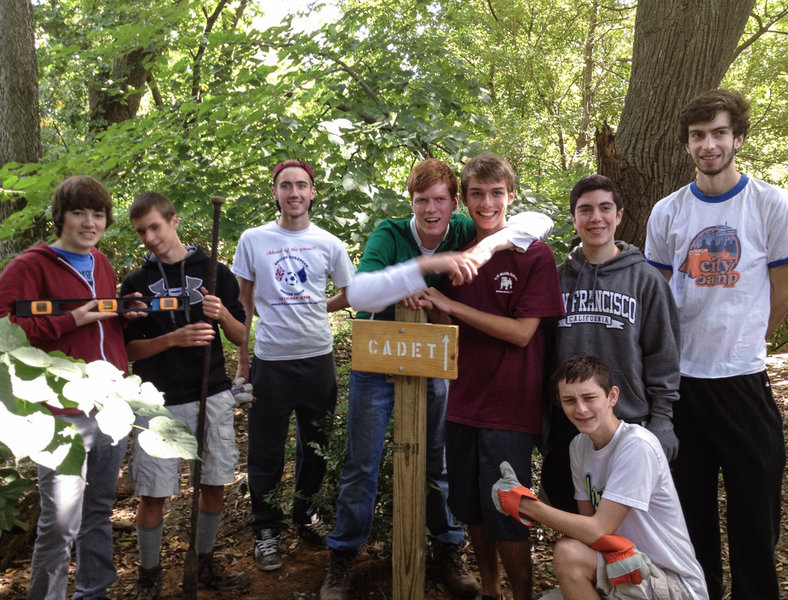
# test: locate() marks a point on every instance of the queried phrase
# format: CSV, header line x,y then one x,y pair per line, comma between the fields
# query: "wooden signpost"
x,y
413,350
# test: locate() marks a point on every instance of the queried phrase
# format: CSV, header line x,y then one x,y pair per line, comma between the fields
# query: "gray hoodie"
x,y
623,312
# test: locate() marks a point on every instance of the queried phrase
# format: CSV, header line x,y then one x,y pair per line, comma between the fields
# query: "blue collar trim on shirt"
x,y
719,197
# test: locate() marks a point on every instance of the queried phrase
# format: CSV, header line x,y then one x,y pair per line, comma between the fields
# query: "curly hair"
x,y
706,106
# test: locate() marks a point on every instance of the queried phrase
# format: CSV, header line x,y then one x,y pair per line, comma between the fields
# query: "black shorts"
x,y
473,458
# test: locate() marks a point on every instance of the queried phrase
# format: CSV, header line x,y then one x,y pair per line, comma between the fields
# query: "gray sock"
x,y
149,545
207,528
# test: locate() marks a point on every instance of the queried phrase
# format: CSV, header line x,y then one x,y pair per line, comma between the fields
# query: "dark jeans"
x,y
731,424
307,386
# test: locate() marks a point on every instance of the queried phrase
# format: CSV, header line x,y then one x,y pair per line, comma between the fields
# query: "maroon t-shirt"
x,y
500,384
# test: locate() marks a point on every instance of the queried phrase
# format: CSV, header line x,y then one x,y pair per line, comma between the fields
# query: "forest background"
x,y
200,98
195,98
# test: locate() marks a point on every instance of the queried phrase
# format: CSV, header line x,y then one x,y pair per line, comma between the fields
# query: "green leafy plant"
x,y
30,377
12,487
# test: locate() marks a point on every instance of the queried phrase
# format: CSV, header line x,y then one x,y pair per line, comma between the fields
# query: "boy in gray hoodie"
x,y
619,309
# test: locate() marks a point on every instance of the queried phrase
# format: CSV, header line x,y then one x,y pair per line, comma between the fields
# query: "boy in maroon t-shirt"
x,y
494,407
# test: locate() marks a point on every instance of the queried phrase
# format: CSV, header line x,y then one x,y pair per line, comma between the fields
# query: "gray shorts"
x,y
668,585
158,477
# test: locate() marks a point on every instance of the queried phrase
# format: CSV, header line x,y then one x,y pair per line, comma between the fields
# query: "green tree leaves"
x,y
30,378
362,98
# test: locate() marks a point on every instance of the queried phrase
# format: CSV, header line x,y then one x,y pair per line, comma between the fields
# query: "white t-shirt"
x,y
632,470
719,249
290,270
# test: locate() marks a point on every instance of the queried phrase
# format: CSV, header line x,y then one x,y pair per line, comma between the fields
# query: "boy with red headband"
x,y
283,269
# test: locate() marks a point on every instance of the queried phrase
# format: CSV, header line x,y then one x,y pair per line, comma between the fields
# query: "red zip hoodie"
x,y
41,273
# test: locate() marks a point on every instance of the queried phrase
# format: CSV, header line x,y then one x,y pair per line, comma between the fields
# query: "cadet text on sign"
x,y
420,349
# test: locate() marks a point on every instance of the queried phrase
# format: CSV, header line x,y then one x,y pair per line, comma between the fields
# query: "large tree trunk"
x,y
20,129
681,48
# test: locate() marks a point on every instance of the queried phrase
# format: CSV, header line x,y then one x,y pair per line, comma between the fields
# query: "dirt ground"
x,y
304,567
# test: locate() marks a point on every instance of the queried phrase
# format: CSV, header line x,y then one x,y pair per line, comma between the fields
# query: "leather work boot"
x,y
214,576
337,580
149,583
448,564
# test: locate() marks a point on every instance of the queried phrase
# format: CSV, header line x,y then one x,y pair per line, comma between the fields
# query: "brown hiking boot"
x,y
448,564
337,581
214,576
149,583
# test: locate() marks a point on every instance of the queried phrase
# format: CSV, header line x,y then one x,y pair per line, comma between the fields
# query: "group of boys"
x,y
642,528
628,344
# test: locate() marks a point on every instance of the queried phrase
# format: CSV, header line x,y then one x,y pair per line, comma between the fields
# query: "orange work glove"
x,y
624,562
507,492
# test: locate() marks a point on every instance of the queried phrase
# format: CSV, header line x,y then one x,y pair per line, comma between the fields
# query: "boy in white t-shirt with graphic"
x,y
721,243
629,539
283,270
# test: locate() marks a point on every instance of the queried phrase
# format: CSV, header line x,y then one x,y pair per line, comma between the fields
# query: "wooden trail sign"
x,y
405,348
413,350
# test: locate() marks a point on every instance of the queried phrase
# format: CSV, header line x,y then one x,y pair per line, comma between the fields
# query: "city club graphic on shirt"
x,y
712,257
594,494
601,307
290,275
505,281
193,285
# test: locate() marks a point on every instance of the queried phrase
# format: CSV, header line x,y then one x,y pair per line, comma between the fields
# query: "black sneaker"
x,y
266,550
337,581
313,532
214,576
448,564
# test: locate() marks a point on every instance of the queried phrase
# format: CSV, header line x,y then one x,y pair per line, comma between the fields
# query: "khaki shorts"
x,y
158,477
667,586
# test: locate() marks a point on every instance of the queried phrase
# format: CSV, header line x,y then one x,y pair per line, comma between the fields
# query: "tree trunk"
x,y
109,106
681,48
20,128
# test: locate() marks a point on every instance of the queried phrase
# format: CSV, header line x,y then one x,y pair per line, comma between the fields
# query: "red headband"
x,y
294,163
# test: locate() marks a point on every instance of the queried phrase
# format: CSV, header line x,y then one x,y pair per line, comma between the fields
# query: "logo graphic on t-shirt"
x,y
290,274
193,285
506,281
594,495
713,256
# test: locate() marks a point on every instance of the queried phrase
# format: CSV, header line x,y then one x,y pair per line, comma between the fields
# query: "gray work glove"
x,y
662,428
242,392
507,492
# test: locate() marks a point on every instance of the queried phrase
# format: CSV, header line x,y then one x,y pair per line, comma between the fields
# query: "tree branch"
x,y
155,91
355,76
492,12
209,23
762,29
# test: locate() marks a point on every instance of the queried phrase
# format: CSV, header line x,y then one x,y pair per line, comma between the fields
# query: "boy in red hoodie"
x,y
73,508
